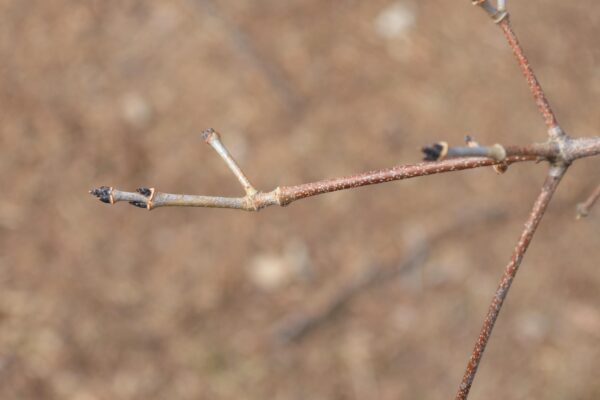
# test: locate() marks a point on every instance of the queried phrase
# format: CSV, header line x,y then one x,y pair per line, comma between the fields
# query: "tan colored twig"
x,y
583,209
255,200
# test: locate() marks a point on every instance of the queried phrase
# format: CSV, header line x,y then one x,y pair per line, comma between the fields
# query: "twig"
x,y
583,209
213,138
539,208
300,326
500,16
541,101
441,151
255,200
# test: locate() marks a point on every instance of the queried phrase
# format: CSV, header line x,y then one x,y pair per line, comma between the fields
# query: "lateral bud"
x,y
149,194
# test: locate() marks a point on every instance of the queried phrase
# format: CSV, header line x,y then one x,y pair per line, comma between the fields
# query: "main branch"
x,y
537,212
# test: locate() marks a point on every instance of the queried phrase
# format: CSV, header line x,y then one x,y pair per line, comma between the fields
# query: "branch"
x,y
583,209
500,16
254,200
539,208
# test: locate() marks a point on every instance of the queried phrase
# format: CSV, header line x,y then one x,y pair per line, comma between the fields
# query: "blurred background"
x,y
114,302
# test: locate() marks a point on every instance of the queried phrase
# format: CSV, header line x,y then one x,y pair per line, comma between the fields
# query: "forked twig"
x,y
255,200
560,151
537,212
501,17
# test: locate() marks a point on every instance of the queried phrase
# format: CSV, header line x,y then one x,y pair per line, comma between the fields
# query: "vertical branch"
x,y
535,216
534,85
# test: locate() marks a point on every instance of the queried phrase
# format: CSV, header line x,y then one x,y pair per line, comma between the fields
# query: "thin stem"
x,y
534,85
583,209
213,138
535,216
293,193
441,151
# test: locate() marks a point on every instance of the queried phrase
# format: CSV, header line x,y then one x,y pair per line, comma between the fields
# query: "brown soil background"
x,y
113,302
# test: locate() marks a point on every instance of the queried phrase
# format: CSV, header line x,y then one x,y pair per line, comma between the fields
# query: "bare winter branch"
x,y
254,200
559,151
537,212
284,195
534,86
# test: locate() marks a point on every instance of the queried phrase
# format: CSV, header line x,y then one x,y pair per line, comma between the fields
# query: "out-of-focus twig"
x,y
497,13
583,209
535,216
298,327
243,44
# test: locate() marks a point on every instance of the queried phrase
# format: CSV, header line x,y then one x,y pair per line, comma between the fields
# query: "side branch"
x,y
534,86
537,212
253,201
448,159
